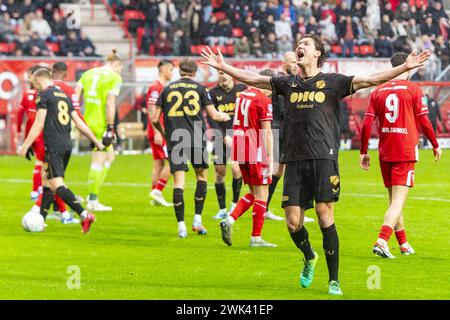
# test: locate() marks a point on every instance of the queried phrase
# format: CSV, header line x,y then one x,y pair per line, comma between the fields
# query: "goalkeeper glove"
x,y
108,137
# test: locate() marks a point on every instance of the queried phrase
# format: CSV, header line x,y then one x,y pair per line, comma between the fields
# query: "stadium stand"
x,y
40,28
241,28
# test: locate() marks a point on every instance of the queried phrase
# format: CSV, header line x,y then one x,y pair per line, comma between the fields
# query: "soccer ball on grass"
x,y
33,222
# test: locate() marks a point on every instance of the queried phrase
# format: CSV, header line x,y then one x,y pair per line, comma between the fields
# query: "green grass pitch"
x,y
134,253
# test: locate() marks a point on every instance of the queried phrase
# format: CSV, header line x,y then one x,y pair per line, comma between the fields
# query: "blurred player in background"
x,y
101,87
182,103
224,97
53,119
252,149
160,171
27,108
401,108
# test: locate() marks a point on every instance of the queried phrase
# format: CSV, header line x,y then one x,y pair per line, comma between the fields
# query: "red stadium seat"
x,y
356,50
140,35
194,50
7,47
237,32
336,49
230,50
132,14
151,50
53,46
366,50
220,15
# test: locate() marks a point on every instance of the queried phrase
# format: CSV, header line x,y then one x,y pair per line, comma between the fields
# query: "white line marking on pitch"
x,y
191,185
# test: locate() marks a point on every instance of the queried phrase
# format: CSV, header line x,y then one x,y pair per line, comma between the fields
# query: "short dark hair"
x,y
164,62
188,67
267,72
32,69
319,46
59,67
42,72
398,59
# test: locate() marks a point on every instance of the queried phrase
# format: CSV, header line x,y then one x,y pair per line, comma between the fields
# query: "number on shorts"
x,y
191,109
63,113
392,106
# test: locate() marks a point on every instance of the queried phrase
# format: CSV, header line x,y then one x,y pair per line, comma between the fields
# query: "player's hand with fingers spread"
x,y
437,153
212,59
364,161
415,60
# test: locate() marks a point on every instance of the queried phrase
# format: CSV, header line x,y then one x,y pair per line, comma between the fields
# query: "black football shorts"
x,y
179,159
55,163
306,181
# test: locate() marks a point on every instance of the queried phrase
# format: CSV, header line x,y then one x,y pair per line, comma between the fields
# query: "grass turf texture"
x,y
134,253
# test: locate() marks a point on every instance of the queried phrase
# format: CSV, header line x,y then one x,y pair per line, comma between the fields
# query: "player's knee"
x,y
293,224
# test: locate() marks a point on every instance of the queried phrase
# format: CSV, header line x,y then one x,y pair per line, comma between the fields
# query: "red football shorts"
x,y
255,174
159,152
398,173
39,149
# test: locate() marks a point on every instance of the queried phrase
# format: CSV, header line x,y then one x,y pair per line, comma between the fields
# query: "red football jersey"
x,y
28,107
152,96
252,107
397,104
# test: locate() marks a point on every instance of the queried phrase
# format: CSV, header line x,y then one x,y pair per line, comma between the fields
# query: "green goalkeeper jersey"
x,y
97,84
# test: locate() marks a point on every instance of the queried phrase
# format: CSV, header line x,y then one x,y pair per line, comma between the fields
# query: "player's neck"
x,y
162,80
227,87
45,85
309,71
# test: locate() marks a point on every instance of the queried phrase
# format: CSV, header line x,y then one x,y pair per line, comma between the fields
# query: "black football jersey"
x,y
183,103
313,114
224,101
57,125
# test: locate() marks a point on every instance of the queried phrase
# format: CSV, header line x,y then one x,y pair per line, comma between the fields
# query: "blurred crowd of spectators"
x,y
40,28
270,28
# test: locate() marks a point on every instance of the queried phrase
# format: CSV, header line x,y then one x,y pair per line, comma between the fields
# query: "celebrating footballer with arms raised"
x,y
312,141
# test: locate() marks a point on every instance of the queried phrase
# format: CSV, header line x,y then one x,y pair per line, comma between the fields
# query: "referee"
x,y
312,142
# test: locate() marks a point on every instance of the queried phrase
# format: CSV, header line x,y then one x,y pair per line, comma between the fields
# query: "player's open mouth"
x,y
300,54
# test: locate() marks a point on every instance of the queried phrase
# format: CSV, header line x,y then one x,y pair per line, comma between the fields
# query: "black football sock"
x,y
301,240
237,186
68,197
178,203
331,248
47,200
272,188
221,194
200,196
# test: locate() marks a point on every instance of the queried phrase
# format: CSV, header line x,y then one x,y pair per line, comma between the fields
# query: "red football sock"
x,y
37,177
161,184
243,205
61,204
38,201
259,208
385,233
401,236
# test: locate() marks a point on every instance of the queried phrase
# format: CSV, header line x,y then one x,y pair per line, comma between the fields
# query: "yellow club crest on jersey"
x,y
285,198
320,84
219,98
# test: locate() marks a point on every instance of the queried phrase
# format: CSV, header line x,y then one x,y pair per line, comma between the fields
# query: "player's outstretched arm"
x,y
428,131
84,129
251,78
217,115
35,131
413,61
